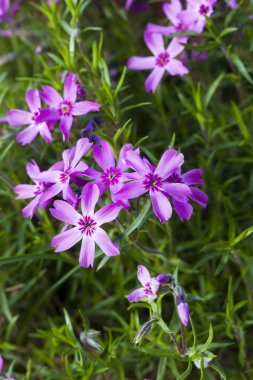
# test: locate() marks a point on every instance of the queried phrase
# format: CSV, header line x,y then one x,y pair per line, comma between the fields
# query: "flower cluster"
x,y
73,182
59,108
189,19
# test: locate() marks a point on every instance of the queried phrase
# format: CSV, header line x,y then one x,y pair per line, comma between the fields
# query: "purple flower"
x,y
201,9
112,176
232,4
190,178
35,191
154,181
87,226
64,108
182,20
17,118
1,369
4,7
72,168
183,312
149,289
161,61
163,278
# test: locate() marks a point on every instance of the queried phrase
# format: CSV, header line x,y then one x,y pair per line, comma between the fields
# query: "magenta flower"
x,y
190,178
87,226
1,369
35,191
72,168
161,61
183,312
149,289
4,7
232,4
182,20
154,181
64,108
112,177
201,9
17,118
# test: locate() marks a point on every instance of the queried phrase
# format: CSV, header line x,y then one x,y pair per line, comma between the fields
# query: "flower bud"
x,y
144,330
183,312
163,278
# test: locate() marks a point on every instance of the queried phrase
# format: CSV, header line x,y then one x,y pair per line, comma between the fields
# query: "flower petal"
x,y
32,169
161,206
64,212
25,191
192,177
70,87
66,240
82,108
82,147
137,295
51,96
105,243
30,209
178,191
103,155
107,214
27,135
45,133
169,161
33,100
155,42
18,117
141,63
134,160
176,67
87,253
131,190
89,198
154,79
199,196
65,126
183,209
163,30
143,275
50,193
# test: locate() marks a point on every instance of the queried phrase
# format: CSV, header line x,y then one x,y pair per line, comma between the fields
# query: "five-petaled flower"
x,y
154,180
16,118
150,286
64,108
161,61
200,9
113,176
87,226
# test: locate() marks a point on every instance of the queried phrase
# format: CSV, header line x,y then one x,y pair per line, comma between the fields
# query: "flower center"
x,y
41,187
148,289
174,178
203,9
111,176
87,225
180,27
162,59
152,182
35,116
66,108
64,176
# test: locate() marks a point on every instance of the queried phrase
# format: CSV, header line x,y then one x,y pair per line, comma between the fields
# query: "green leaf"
x,y
209,340
212,89
161,368
120,82
227,31
241,67
243,235
187,372
240,121
137,222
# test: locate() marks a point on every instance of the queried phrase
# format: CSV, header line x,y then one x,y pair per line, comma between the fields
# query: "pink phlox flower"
x,y
149,289
148,179
161,61
87,226
26,191
182,20
64,108
232,4
113,175
73,167
16,118
4,7
201,9
190,178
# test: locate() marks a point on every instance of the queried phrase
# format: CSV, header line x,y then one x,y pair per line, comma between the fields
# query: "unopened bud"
x,y
144,330
183,312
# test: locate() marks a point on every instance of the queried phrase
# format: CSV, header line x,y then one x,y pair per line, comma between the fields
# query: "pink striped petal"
x,y
107,214
18,117
154,79
50,193
30,209
161,206
27,135
33,100
89,198
134,160
137,295
82,147
176,67
141,63
143,275
65,126
25,191
199,196
105,243
82,108
131,190
87,253
183,209
103,155
177,191
66,213
168,163
192,177
70,87
51,96
45,133
66,239
155,42
32,169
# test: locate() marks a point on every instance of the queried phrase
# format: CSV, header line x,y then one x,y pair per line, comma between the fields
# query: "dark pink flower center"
x,y
148,289
203,9
41,187
66,108
152,182
174,178
180,27
111,176
87,225
64,176
35,116
162,59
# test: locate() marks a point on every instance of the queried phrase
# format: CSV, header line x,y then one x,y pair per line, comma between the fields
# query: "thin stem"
x,y
184,341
